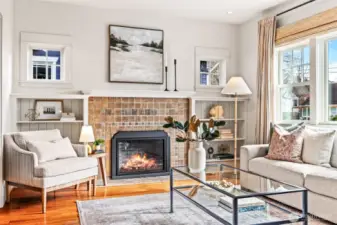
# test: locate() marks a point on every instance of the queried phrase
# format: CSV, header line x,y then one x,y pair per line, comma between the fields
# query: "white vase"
x,y
197,158
98,147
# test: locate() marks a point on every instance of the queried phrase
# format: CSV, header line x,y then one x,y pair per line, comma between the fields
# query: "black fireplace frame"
x,y
143,135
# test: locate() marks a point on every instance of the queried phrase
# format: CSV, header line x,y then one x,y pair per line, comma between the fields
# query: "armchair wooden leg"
x,y
8,193
90,187
95,185
44,200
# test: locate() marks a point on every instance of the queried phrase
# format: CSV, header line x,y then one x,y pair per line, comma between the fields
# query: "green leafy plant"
x,y
98,142
193,130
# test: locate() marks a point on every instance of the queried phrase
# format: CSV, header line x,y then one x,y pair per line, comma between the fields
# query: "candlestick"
x,y
175,75
166,58
166,79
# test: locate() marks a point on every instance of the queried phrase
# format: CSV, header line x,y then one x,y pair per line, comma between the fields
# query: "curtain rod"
x,y
296,7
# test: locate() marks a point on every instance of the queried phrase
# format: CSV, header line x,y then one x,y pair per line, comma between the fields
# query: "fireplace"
x,y
140,154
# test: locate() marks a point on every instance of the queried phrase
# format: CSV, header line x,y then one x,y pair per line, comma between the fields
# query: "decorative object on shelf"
x,y
210,151
194,131
135,55
68,117
49,109
216,112
226,134
235,87
175,75
87,135
224,148
32,114
166,79
98,144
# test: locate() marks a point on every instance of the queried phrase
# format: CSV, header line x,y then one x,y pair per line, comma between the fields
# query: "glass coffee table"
x,y
217,191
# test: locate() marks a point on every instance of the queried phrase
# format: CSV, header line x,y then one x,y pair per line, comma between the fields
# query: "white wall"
x,y
248,33
6,11
89,30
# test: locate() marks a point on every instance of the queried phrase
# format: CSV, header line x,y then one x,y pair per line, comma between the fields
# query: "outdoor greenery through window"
x,y
294,86
210,73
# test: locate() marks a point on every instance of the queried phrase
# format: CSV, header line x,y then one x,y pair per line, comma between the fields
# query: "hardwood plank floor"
x,y
25,205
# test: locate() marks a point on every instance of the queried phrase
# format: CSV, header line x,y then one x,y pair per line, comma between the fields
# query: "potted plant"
x,y
195,131
97,144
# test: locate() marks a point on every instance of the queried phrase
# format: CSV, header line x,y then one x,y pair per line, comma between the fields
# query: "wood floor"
x,y
25,206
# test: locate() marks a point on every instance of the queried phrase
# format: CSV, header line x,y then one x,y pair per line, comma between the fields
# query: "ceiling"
x,y
210,10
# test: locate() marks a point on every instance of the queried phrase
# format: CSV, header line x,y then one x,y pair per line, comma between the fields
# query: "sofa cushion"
x,y
285,145
22,138
288,172
64,166
317,146
48,151
323,181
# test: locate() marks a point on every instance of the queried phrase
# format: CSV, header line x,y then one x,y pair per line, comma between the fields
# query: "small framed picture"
x,y
49,109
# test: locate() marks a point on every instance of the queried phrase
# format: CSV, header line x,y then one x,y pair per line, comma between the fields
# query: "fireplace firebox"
x,y
140,154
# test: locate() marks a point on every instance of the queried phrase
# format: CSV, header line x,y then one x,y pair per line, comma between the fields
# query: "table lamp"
x,y
87,135
235,87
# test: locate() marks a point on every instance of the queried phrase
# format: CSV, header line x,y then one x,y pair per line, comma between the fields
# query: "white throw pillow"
x,y
317,146
48,151
22,138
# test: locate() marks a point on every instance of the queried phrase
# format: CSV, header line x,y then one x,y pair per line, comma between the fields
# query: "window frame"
x,y
30,41
277,78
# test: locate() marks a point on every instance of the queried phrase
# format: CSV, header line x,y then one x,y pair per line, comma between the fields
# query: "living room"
x,y
178,112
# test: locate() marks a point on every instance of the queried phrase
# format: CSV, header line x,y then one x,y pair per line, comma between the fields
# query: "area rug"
x,y
154,210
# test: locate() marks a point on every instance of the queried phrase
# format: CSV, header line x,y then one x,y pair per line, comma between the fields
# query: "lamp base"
x,y
88,148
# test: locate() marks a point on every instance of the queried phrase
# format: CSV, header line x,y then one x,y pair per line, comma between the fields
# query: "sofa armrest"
x,y
19,163
80,150
248,152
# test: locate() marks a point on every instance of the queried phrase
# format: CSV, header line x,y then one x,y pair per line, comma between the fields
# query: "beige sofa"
x,y
321,182
22,168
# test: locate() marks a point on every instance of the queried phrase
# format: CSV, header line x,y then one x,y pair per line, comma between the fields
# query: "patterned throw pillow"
x,y
285,145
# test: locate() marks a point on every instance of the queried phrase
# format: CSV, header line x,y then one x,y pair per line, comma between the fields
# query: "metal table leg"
x,y
305,206
171,191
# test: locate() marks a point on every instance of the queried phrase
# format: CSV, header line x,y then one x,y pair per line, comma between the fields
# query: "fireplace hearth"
x,y
140,154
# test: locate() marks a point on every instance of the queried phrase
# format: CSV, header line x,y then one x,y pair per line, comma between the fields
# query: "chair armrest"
x,y
248,152
19,163
80,150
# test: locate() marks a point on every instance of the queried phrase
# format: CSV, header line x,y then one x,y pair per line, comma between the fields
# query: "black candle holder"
x,y
175,75
166,79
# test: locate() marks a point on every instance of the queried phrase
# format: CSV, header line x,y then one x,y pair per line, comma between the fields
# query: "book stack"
x,y
68,117
244,204
226,134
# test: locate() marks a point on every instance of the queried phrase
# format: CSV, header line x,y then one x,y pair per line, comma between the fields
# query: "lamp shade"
x,y
87,134
236,86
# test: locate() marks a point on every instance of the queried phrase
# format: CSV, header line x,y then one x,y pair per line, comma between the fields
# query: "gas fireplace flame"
x,y
139,162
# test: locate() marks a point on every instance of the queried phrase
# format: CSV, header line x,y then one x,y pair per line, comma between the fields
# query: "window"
x,y
210,73
332,79
293,83
45,60
210,68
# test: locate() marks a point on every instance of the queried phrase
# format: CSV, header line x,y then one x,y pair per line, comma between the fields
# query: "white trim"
x,y
30,41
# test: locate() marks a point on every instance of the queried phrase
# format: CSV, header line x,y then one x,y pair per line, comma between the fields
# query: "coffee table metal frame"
x,y
303,218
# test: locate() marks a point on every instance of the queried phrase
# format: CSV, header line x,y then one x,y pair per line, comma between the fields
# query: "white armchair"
x,y
22,168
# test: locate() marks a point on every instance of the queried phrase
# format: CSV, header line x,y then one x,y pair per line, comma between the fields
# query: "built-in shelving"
x,y
228,139
48,121
224,119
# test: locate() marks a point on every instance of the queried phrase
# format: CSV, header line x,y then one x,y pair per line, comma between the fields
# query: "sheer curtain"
x,y
267,32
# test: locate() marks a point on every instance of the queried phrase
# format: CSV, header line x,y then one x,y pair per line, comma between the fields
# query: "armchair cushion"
x,y
48,151
64,166
22,138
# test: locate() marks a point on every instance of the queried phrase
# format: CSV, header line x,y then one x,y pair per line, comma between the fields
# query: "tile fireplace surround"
x,y
108,115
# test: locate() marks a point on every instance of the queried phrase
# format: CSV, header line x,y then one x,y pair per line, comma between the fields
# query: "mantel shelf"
x,y
224,119
47,121
227,139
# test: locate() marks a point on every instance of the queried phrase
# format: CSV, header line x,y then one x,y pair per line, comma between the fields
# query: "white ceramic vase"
x,y
197,158
98,147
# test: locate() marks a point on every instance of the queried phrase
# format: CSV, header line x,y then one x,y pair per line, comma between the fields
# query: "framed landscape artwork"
x,y
49,109
136,55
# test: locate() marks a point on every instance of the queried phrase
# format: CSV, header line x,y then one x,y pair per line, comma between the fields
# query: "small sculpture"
x,y
216,112
32,114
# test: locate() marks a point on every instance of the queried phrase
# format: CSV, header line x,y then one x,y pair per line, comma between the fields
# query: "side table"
x,y
101,161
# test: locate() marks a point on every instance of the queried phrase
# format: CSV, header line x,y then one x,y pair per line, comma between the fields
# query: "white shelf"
x,y
219,99
224,119
47,121
227,139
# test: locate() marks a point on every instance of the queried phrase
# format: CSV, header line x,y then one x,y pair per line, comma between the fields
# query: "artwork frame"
x,y
49,110
155,71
